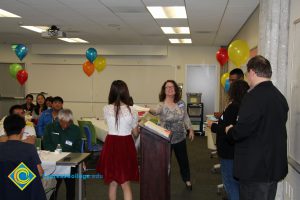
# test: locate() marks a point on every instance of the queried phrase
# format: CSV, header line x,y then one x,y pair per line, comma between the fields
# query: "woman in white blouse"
x,y
118,159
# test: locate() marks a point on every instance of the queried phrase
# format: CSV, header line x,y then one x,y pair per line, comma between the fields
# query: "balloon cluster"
x,y
16,70
94,62
238,53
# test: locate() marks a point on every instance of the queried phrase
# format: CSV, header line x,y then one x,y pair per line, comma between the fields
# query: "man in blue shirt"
x,y
49,116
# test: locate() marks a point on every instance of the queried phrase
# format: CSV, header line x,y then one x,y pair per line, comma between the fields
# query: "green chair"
x,y
81,124
38,143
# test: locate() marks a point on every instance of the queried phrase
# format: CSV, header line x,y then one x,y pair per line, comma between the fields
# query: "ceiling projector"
x,y
53,32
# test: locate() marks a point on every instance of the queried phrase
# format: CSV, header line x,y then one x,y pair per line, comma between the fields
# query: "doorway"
x,y
202,78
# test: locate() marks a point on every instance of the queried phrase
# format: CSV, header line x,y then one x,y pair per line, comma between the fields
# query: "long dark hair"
x,y
162,94
237,91
118,93
37,107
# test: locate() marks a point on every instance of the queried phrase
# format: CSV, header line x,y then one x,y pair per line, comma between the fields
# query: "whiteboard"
x,y
294,132
70,82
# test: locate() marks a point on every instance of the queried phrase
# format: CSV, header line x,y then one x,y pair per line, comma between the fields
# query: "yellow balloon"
x,y
224,77
100,63
238,52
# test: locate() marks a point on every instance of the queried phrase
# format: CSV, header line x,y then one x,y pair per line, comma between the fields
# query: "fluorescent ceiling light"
x,y
176,30
159,12
180,41
73,40
38,29
4,13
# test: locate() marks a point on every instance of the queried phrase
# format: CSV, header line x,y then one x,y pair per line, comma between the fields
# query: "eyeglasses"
x,y
169,87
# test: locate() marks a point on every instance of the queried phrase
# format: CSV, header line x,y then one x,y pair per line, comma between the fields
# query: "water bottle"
x,y
58,149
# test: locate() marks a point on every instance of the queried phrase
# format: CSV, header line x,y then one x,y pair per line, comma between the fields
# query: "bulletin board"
x,y
294,113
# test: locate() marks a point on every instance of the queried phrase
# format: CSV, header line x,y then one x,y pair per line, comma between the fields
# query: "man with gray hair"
x,y
67,134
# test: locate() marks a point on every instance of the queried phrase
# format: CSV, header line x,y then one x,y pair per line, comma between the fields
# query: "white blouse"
x,y
127,120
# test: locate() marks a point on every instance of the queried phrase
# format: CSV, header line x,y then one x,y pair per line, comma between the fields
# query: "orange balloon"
x,y
88,68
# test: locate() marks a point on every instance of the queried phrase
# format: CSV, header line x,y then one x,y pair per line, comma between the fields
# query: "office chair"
x,y
81,124
91,147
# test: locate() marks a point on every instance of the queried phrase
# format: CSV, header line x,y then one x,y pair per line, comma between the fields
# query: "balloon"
x,y
91,54
227,85
222,56
13,47
100,63
22,76
21,51
238,52
224,77
88,68
14,69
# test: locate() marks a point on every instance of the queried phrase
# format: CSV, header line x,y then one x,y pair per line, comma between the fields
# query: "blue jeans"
x,y
231,185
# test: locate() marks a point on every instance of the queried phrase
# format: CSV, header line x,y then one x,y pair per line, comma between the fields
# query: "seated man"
x,y
13,153
28,106
68,135
29,134
50,115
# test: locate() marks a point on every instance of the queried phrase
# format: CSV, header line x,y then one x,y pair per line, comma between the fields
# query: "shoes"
x,y
189,187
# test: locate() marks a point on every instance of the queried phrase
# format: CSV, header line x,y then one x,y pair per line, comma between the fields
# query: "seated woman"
x,y
39,108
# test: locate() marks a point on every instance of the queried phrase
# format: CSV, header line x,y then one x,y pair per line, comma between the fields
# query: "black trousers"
x,y
257,190
180,151
70,186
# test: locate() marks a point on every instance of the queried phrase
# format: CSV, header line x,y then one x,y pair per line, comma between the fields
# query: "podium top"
x,y
155,132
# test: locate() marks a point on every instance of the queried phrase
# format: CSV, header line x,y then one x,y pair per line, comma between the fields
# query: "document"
x,y
140,108
158,129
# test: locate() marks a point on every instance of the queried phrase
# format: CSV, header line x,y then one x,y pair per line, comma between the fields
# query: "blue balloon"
x,y
227,85
21,51
91,54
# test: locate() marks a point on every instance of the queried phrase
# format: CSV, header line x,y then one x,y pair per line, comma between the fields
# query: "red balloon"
x,y
222,56
22,76
88,68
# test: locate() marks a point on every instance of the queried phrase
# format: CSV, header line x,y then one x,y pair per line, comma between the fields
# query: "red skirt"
x,y
118,160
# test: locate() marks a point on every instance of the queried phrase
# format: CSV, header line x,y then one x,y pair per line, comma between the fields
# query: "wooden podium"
x,y
155,166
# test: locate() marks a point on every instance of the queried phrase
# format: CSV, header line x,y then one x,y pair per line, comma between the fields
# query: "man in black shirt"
x,y
13,153
260,158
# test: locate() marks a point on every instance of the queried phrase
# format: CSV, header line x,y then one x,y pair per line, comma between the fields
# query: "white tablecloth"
x,y
49,160
100,127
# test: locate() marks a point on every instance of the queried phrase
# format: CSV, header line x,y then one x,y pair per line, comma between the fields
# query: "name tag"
x,y
69,143
55,133
181,105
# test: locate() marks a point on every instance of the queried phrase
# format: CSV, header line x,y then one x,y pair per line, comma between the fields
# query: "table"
x,y
100,127
75,159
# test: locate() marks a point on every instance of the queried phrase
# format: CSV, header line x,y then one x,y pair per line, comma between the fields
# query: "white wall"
x,y
74,55
248,33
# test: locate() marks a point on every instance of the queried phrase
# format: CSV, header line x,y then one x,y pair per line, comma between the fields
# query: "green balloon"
x,y
14,69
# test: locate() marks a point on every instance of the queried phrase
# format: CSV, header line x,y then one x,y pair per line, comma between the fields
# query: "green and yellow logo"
x,y
22,176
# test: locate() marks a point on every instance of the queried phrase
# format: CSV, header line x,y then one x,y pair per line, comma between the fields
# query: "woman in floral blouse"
x,y
173,116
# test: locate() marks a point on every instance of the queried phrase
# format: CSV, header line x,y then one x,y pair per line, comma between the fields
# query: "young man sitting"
x,y
14,152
